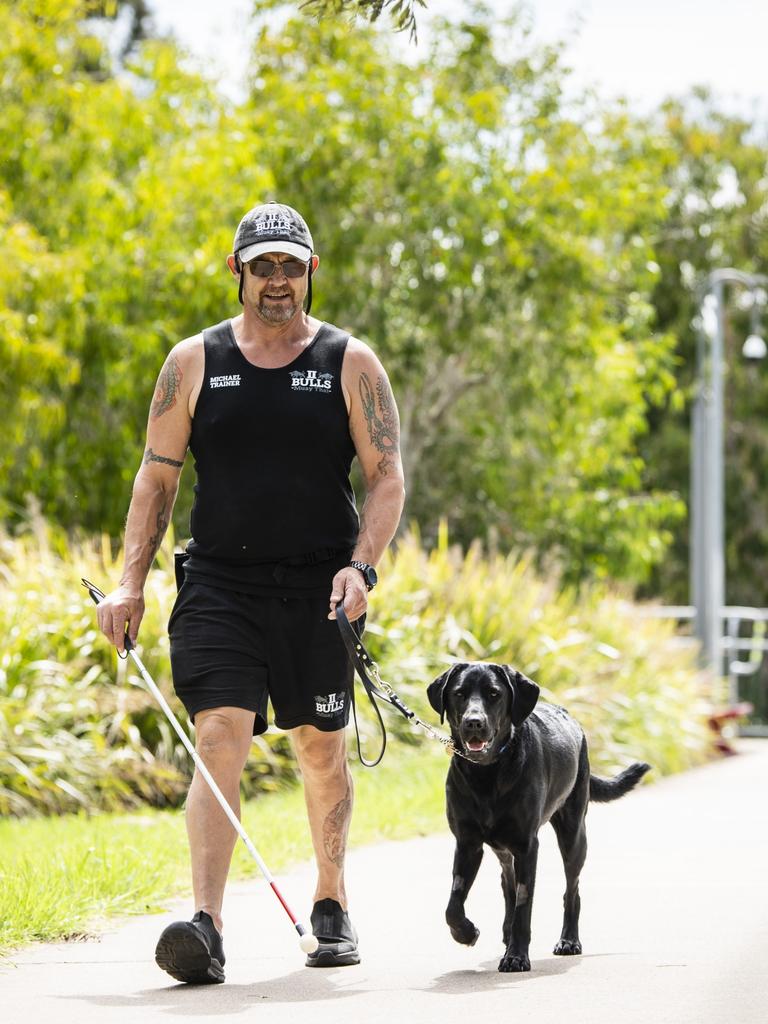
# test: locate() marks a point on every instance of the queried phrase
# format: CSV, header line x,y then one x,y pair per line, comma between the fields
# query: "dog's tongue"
x,y
475,745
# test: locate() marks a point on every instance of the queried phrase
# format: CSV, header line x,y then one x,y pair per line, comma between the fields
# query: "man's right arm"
x,y
154,490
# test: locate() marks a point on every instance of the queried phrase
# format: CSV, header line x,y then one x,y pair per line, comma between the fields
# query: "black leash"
x,y
362,662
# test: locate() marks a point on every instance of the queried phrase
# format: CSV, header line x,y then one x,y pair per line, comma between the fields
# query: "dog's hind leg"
x,y
466,864
569,826
523,876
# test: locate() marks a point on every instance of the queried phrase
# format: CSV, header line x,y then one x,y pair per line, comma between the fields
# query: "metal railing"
x,y
732,645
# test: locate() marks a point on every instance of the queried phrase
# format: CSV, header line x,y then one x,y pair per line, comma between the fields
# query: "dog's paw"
x,y
515,963
567,947
465,933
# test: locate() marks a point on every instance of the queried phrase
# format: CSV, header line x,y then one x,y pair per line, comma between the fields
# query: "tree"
x,y
491,241
402,12
717,203
106,243
139,19
496,250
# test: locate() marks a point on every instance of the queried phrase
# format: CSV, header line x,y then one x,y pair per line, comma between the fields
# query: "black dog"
x,y
517,769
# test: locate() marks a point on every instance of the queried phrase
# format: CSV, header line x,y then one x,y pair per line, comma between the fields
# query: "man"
x,y
273,405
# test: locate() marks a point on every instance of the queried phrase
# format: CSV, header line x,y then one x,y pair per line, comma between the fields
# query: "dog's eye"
x,y
494,694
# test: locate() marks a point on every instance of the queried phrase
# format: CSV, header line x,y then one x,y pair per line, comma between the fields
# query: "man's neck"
x,y
250,330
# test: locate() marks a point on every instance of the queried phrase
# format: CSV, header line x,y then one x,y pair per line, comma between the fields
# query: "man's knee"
x,y
321,755
222,736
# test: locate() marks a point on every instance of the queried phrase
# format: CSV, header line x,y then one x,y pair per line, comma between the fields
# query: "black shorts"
x,y
230,649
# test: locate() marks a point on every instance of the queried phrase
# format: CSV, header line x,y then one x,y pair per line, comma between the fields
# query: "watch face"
x,y
369,573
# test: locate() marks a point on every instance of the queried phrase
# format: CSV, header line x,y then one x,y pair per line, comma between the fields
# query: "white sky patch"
x,y
643,51
728,193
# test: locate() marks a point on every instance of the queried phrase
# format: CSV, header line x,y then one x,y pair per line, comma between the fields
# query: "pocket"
x,y
179,603
179,558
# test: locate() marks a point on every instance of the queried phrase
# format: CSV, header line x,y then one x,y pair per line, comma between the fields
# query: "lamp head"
x,y
754,347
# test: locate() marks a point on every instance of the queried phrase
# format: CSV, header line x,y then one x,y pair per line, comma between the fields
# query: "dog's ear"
x,y
435,692
525,693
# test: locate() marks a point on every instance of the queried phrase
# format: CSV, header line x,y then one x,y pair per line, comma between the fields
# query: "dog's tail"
x,y
604,790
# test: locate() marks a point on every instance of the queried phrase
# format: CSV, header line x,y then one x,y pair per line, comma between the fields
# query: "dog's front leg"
x,y
509,888
524,875
466,863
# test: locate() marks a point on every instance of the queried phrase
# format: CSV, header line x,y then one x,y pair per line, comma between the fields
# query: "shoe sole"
x,y
325,958
181,953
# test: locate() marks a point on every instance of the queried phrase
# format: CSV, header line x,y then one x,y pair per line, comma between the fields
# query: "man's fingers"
x,y
119,618
135,622
354,606
358,608
335,598
348,586
118,614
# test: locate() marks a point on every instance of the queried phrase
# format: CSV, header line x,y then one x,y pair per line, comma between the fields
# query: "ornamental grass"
x,y
78,731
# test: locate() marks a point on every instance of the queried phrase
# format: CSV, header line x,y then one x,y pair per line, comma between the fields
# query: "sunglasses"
x,y
266,268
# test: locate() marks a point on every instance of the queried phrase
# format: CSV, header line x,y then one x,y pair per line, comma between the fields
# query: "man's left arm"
x,y
375,429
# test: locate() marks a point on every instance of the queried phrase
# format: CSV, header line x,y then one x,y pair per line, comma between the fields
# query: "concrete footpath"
x,y
674,926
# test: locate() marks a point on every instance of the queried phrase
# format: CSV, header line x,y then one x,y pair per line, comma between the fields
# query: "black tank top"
x,y
272,453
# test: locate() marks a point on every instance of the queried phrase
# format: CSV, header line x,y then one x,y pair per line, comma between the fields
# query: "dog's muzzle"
x,y
475,734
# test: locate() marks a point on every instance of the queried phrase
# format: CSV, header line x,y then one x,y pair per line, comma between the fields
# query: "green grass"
x,y
59,876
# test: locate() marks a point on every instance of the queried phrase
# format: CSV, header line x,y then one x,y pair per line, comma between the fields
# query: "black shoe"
x,y
192,951
337,937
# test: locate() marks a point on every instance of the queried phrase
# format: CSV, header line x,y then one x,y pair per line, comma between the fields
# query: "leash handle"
x,y
362,661
360,658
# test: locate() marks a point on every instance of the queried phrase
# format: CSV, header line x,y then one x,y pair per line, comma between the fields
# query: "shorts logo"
x,y
311,380
228,380
330,705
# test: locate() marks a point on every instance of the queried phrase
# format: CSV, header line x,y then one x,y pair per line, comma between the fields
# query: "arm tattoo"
x,y
335,831
382,425
163,518
150,456
167,385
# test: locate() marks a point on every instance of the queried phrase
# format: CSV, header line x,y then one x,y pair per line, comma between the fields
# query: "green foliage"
x,y
636,692
491,241
77,727
108,232
402,12
515,321
77,731
717,202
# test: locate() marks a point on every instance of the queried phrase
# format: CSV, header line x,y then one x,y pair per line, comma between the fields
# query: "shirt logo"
x,y
330,705
311,380
228,380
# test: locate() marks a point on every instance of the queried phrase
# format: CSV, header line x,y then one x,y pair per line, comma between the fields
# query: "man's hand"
x,y
349,587
125,605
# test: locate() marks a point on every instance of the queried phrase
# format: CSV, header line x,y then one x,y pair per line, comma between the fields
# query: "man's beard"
x,y
274,313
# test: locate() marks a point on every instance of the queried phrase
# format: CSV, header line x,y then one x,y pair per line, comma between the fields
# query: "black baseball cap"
x,y
272,227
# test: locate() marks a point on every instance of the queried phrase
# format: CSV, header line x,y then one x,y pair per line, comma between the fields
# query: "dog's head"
x,y
484,705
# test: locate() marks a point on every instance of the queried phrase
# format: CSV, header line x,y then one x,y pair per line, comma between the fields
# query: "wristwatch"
x,y
369,573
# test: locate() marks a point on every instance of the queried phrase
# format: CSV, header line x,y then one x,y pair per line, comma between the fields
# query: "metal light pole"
x,y
708,454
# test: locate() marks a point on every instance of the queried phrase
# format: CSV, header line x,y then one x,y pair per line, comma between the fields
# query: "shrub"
x,y
78,730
